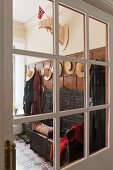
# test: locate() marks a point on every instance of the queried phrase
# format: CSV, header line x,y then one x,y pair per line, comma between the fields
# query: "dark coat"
x,y
98,117
28,96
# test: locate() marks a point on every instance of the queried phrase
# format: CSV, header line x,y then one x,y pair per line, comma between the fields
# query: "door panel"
x,y
34,144
37,20
32,85
93,161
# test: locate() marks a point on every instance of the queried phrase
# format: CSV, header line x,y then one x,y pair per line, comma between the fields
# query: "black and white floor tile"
x,y
26,159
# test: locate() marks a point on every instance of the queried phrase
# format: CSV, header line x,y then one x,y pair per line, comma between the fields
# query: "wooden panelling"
x,y
71,81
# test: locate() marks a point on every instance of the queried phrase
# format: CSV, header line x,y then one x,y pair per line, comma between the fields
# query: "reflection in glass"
x,y
71,32
72,138
98,46
98,85
71,86
97,127
33,25
32,85
33,141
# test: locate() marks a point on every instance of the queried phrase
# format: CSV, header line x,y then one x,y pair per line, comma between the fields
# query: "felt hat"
x,y
63,31
69,67
30,73
63,36
46,72
60,69
79,69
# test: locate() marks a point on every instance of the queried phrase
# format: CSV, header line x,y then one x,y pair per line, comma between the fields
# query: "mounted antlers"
x,y
63,30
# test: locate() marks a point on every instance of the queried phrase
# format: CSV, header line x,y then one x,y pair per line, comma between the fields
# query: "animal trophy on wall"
x,y
63,30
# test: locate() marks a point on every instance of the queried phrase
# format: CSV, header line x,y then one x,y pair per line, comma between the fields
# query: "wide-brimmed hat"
x,y
46,72
63,31
63,37
30,73
69,67
79,69
60,69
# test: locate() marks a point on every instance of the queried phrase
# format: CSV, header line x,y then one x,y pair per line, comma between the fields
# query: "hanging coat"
x,y
28,97
98,117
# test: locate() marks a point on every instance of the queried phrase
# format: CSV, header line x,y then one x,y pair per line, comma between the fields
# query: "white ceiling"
x,y
25,10
105,5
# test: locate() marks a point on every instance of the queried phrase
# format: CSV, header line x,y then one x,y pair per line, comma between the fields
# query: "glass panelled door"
x,y
56,104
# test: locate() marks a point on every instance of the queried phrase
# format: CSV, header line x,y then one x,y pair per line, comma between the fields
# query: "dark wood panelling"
x,y
71,81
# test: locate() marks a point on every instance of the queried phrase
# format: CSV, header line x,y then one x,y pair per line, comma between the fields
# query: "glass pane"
x,y
34,143
71,32
98,128
72,138
72,85
33,25
98,85
32,85
98,40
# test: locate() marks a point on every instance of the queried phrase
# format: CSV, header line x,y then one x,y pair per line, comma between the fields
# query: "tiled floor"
x,y
26,159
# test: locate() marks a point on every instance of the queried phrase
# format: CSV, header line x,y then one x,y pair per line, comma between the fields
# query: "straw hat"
x,y
46,72
30,73
69,67
79,70
60,69
63,31
63,36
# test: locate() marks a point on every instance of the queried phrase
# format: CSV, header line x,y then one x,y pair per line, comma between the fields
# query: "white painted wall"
x,y
31,60
19,32
42,41
39,39
18,79
97,34
76,36
17,129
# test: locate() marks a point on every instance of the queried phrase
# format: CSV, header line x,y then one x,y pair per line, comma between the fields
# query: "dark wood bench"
x,y
42,145
69,99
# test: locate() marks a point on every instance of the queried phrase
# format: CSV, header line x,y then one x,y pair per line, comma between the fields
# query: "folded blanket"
x,y
76,138
78,133
43,129
63,144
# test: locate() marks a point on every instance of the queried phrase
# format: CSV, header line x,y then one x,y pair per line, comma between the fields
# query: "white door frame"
x,y
6,80
103,159
1,86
